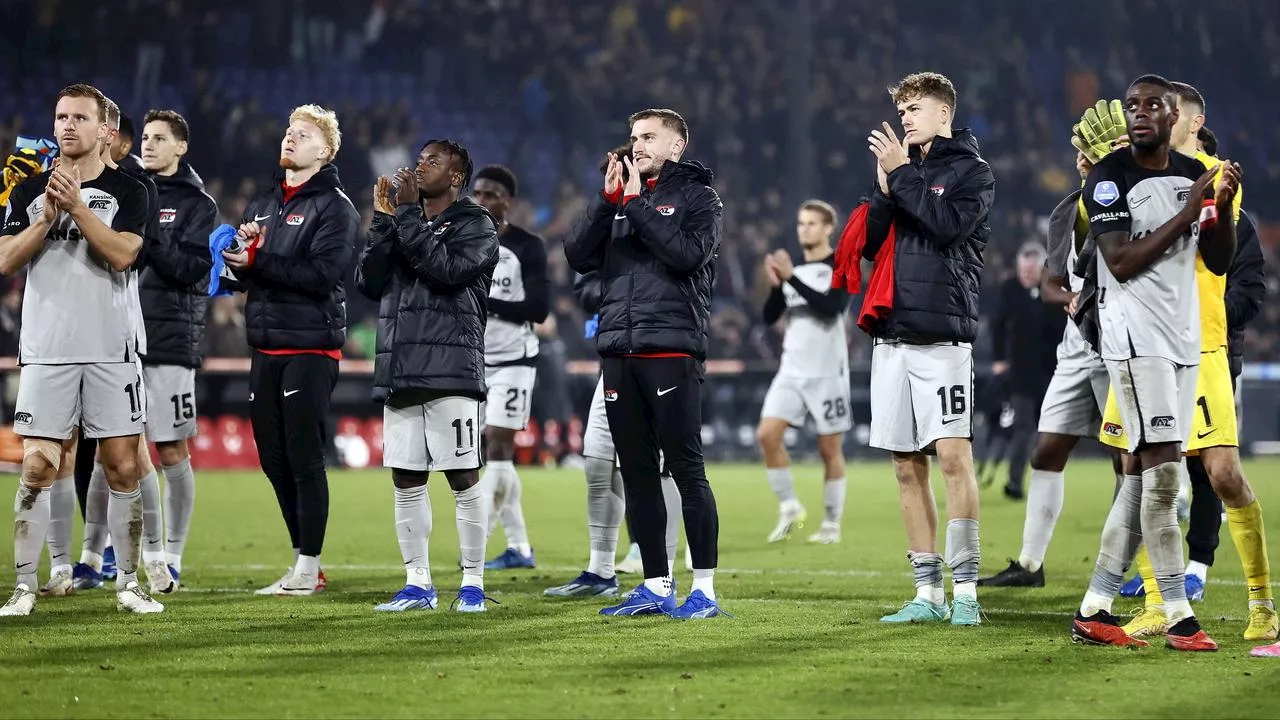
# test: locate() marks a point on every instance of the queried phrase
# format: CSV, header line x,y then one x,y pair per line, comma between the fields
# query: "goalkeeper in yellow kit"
x,y
1214,435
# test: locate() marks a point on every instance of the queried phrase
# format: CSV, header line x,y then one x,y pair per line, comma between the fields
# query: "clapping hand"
x,y
889,151
407,192
64,187
382,196
613,175
633,178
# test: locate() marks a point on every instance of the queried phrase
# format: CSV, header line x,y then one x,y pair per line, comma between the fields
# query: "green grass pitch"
x,y
805,643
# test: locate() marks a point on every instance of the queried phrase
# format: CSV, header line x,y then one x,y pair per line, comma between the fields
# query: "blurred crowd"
x,y
779,95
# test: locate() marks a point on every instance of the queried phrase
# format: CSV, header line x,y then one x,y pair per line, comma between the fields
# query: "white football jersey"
x,y
815,344
1157,312
521,275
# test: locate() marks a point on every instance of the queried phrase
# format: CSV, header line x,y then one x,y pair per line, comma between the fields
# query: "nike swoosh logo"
x,y
287,393
135,418
664,392
460,453
1136,203
260,219
178,425
619,216
954,419
1206,433
19,567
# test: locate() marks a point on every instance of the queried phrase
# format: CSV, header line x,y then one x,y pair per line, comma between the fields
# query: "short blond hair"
x,y
111,113
922,85
326,120
821,207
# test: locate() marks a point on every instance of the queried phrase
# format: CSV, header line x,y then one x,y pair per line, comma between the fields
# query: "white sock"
x,y
470,514
781,482
1044,507
30,523
662,586
152,522
1094,603
62,510
965,589
833,494
493,489
510,511
1177,610
702,580
1199,569
179,502
605,506
601,564
931,594
95,518
671,498
413,531
124,520
307,564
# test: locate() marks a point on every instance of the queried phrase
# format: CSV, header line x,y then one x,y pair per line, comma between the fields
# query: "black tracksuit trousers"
x,y
289,407
655,403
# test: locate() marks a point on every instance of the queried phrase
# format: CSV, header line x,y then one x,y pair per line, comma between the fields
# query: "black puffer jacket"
x,y
1246,289
939,206
296,297
432,283
656,257
173,285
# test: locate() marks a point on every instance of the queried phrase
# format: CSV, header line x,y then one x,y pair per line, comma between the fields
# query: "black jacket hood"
x,y
185,175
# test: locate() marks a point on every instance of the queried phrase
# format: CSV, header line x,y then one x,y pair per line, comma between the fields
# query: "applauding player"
x,y
78,229
1149,219
429,262
934,191
813,378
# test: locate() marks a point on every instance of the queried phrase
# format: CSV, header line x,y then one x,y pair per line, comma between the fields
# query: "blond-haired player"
x,y
294,249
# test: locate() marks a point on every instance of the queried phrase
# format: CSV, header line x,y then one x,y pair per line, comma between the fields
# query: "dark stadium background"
x,y
779,94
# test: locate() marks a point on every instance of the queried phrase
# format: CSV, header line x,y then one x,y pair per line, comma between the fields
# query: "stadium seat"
x,y
202,444
550,446
235,447
373,436
575,434
353,449
527,444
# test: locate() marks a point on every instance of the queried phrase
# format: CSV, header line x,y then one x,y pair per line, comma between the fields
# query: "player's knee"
x,y
1229,482
408,479
769,435
460,480
40,462
172,453
499,444
955,458
1050,454
122,472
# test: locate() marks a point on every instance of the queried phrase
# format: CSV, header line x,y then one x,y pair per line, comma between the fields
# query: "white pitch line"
x,y
798,572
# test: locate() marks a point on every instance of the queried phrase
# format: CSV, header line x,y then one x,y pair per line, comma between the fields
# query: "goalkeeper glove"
x,y
21,165
1098,129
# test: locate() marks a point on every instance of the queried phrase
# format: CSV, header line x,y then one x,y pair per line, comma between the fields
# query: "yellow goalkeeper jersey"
x,y
1213,288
